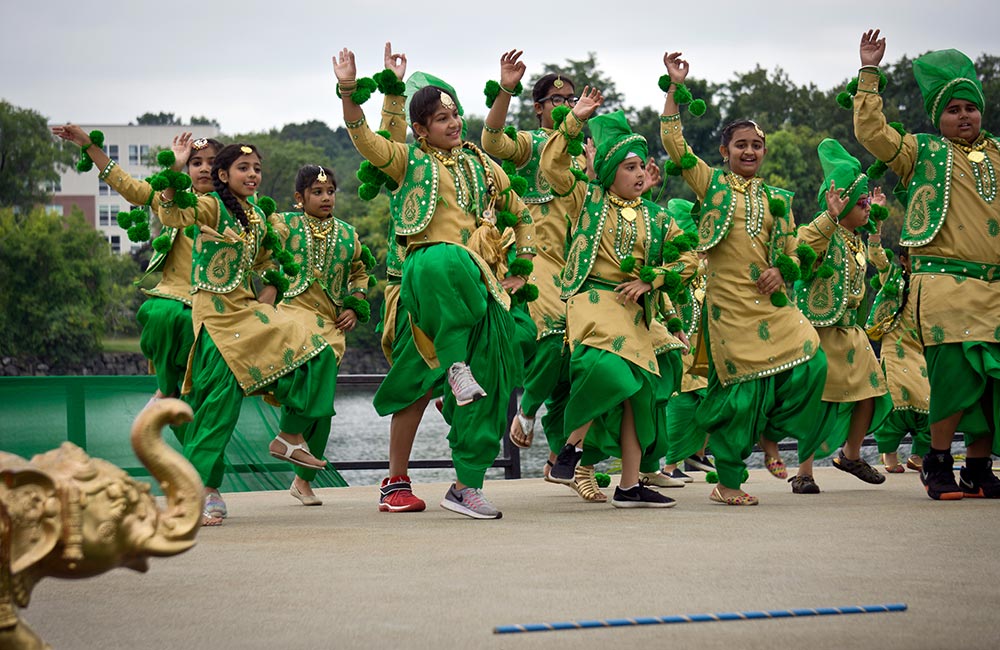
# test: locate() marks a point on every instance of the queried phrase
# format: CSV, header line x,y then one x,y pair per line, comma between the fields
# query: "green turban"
x,y
419,80
946,75
614,140
844,171
680,211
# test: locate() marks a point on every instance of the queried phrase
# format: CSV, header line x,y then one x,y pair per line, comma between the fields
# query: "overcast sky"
x,y
256,64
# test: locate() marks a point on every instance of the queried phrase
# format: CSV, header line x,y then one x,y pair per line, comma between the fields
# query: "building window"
x,y
103,189
133,154
112,151
144,154
116,243
106,213
52,187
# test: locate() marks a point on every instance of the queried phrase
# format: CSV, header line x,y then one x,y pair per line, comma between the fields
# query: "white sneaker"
x,y
470,502
659,479
463,385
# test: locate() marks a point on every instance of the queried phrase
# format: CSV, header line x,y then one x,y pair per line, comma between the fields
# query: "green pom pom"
x,y
845,100
628,264
581,176
877,170
574,148
825,271
779,299
688,160
139,232
898,127
682,243
889,254
367,258
698,107
283,257
491,91
139,215
852,86
874,283
388,84
670,252
521,266
671,282
185,200
267,205
291,269
675,325
527,293
162,243
270,239
891,290
508,167
367,191
372,281
180,182
366,172
159,182
664,83
97,137
191,231
559,114
166,158
712,477
361,95
777,207
807,257
647,274
85,164
385,134
603,480
787,267
670,168
879,213
506,219
883,81
124,220
682,95
519,184
391,185
510,132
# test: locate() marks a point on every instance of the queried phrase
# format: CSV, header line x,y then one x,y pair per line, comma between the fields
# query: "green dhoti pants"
x,y
836,423
684,438
671,366
547,382
966,377
166,340
899,423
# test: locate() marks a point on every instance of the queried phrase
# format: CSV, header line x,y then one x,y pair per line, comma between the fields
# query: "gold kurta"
x,y
902,354
951,309
259,343
551,230
175,283
750,337
852,372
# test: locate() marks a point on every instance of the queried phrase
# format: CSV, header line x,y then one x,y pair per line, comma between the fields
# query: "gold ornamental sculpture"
x,y
67,515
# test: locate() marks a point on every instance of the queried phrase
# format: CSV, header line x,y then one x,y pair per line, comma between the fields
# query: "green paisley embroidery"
x,y
288,356
996,334
716,312
317,340
923,371
262,316
873,379
807,347
320,322
754,272
526,217
220,306
850,356
730,367
762,331
465,234
638,317
900,350
544,209
905,394
593,296
993,227
618,343
937,334
256,374
652,367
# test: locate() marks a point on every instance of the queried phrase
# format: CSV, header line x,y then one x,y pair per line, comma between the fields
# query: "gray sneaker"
x,y
463,385
469,502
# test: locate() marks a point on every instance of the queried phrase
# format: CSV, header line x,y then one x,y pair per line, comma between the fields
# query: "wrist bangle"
x,y
512,93
490,129
107,169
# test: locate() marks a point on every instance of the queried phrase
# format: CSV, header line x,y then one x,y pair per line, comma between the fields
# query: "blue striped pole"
x,y
700,618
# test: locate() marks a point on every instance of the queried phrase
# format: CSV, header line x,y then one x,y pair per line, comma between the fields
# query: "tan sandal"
x,y
585,484
742,499
898,468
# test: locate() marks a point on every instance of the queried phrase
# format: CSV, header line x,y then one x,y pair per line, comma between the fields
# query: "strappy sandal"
x,y
291,449
215,507
742,499
898,468
585,484
776,466
522,431
209,520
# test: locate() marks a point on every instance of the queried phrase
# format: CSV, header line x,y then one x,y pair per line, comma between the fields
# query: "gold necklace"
x,y
446,160
320,227
973,152
625,208
739,183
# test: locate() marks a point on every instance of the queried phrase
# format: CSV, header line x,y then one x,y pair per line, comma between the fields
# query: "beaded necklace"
x,y
855,280
625,229
982,168
751,189
317,238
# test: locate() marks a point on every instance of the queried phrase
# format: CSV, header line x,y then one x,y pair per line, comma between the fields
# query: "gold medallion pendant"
x,y
976,156
699,294
860,257
629,214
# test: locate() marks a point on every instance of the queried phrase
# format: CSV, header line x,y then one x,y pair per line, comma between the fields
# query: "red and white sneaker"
x,y
397,496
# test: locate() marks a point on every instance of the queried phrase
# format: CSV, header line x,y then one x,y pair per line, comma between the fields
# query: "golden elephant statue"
x,y
68,515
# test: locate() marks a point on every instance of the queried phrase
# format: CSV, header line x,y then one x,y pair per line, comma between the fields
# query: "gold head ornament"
x,y
199,144
447,101
558,83
321,176
245,149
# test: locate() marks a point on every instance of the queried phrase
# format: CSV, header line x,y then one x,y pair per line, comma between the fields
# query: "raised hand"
x,y
653,175
72,133
344,67
872,48
677,67
395,62
835,203
511,69
590,99
590,153
877,197
182,149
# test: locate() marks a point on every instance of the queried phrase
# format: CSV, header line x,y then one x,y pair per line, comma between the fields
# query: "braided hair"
x,y
224,159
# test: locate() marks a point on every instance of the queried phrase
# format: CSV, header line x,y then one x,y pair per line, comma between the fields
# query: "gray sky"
x,y
256,64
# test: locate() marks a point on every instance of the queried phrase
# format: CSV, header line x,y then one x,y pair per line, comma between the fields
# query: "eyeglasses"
x,y
864,202
559,100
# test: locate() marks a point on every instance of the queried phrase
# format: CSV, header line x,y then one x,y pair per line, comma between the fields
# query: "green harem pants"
x,y
966,377
166,340
547,381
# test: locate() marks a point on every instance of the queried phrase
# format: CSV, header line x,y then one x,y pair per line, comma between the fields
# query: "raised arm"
x,y
817,233
394,106
699,175
555,162
495,142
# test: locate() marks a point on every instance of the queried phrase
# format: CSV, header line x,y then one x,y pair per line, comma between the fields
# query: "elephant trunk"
x,y
179,521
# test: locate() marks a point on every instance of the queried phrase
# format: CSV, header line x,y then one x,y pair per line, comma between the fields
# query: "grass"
x,y
128,344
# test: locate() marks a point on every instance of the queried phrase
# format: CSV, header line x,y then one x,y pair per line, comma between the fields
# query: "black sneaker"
x,y
564,468
977,479
681,476
858,468
803,485
696,463
938,477
641,496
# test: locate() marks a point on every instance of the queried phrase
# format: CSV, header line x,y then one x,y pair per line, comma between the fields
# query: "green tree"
x,y
157,119
54,282
29,158
282,159
201,120
583,72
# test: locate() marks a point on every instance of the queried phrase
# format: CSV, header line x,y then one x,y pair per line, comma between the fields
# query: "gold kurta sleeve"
x,y
555,165
878,259
897,151
672,137
133,190
389,156
497,144
357,282
205,213
817,233
394,117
